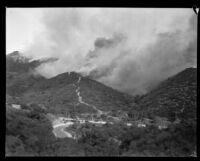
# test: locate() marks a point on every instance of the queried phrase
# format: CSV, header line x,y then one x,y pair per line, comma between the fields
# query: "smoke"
x,y
131,50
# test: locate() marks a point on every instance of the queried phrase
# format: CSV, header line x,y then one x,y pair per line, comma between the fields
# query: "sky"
x,y
129,49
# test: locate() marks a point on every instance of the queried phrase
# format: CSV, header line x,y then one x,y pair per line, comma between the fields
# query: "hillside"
x,y
19,72
16,62
174,98
172,104
60,96
72,115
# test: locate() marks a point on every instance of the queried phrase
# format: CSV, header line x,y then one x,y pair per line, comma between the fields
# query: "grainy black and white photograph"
x,y
101,82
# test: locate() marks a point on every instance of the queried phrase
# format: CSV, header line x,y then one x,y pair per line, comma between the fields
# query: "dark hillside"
x,y
175,97
59,94
104,97
19,72
31,101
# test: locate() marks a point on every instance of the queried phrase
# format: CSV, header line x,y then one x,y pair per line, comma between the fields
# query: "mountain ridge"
x,y
173,94
70,114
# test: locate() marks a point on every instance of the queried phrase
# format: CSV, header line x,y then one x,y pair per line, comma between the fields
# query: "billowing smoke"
x,y
131,50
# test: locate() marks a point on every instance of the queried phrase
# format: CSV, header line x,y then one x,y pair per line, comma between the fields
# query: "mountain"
x,y
172,106
173,98
16,62
17,57
73,115
60,95
20,72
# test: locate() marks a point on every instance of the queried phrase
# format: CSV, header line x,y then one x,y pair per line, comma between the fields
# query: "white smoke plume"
x,y
130,49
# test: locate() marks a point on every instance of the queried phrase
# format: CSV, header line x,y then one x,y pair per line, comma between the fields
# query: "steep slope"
x,y
70,92
172,107
94,112
173,98
17,83
16,62
19,75
74,115
61,94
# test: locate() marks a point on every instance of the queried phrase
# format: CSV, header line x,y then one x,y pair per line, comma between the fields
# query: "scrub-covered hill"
x,y
94,119
175,98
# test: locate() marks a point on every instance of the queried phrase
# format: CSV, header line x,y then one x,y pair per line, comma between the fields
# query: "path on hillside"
x,y
81,100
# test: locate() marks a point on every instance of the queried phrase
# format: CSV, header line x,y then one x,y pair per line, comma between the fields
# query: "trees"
x,y
14,145
96,142
28,131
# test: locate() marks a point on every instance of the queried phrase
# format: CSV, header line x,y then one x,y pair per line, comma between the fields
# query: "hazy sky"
x,y
23,23
129,49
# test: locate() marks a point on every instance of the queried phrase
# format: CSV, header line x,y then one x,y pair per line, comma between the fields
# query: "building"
x,y
147,121
140,123
162,122
18,107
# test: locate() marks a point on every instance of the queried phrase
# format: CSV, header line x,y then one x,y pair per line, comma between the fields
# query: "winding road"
x,y
59,130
